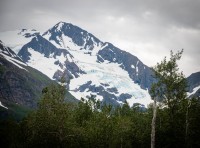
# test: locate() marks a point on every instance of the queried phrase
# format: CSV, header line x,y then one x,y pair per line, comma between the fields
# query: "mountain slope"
x,y
194,84
20,83
61,31
50,60
138,72
92,67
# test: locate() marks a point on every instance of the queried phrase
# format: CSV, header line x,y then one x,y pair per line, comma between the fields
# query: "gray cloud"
x,y
147,28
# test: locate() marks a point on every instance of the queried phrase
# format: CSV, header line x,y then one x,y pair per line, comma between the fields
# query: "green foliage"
x,y
86,124
14,112
37,75
90,123
10,134
174,123
193,138
170,87
50,124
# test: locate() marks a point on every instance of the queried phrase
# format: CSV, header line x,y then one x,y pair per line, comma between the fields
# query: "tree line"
x,y
172,120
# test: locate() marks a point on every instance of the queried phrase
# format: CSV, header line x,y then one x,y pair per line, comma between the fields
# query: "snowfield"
x,y
85,57
103,73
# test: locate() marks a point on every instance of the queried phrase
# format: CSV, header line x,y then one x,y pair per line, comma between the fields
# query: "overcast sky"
x,y
149,29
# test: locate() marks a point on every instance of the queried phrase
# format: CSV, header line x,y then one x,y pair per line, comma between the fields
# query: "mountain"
x,y
194,84
20,84
91,67
39,51
62,32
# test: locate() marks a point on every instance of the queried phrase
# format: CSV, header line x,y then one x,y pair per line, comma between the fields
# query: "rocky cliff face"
x,y
41,45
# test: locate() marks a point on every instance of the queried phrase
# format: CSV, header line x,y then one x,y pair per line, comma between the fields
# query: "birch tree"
x,y
169,89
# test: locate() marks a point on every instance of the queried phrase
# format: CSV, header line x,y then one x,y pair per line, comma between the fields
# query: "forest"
x,y
171,121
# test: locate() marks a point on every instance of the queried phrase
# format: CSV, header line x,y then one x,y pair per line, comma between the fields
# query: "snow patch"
x,y
69,58
60,26
62,58
193,91
3,105
137,68
13,61
110,50
67,42
43,64
132,66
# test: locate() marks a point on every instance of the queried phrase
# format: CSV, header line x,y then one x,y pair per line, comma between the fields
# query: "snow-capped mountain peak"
x,y
91,67
62,33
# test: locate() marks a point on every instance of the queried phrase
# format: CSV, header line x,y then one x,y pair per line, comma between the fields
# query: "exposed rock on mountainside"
x,y
194,84
20,83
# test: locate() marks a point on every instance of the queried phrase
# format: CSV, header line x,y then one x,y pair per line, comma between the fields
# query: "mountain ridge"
x,y
86,56
21,86
20,83
91,67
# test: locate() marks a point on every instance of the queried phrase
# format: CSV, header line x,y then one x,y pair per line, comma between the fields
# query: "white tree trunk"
x,y
187,120
153,124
